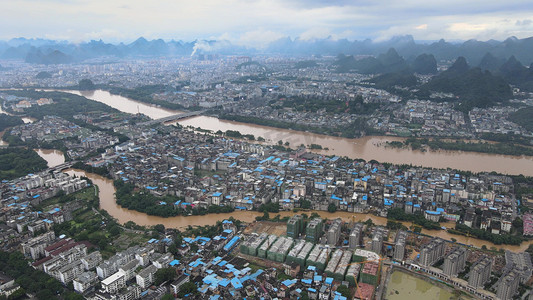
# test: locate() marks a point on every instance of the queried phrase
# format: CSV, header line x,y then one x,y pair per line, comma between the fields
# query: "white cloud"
x,y
252,22
315,33
259,38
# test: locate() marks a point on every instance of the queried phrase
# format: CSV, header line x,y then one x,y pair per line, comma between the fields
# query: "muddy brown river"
x,y
368,148
123,215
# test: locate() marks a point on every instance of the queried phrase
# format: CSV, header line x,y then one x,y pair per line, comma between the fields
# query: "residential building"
x,y
480,272
356,236
432,252
508,285
84,281
145,277
399,245
454,263
114,283
334,232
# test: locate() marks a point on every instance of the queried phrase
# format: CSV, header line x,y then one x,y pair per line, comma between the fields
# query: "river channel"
x,y
123,215
24,119
367,148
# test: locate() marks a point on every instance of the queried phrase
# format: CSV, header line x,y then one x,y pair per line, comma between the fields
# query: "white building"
x,y
84,281
146,277
114,283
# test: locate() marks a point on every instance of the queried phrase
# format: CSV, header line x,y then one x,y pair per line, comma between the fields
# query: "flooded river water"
x,y
368,148
123,215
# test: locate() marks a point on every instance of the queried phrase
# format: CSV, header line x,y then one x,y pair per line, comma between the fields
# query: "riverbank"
x,y
478,146
488,146
108,203
367,148
345,131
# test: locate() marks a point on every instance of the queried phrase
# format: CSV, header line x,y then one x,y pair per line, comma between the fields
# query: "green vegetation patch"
x,y
144,94
399,214
497,239
65,105
162,206
35,282
523,117
7,121
481,147
17,162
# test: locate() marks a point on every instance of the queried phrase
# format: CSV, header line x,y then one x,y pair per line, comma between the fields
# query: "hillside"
x,y
472,87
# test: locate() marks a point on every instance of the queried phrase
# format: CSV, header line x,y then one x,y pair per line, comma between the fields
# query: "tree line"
x,y
163,206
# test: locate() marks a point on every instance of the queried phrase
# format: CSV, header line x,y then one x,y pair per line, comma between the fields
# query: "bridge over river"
x,y
173,117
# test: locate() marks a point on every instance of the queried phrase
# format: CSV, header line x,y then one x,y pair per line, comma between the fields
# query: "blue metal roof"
x,y
231,243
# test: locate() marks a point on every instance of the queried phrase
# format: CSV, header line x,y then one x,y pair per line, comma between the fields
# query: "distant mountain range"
x,y
470,86
43,51
390,62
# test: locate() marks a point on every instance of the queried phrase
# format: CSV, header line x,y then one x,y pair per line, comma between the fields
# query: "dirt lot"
x,y
264,263
268,227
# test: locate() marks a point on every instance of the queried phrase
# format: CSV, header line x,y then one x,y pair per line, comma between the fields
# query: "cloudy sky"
x,y
257,22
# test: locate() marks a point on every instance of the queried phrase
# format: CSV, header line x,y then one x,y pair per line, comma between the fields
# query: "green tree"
x,y
345,291
187,288
306,204
160,228
44,294
18,294
530,249
164,274
332,207
86,85
304,296
194,248
167,297
114,230
73,296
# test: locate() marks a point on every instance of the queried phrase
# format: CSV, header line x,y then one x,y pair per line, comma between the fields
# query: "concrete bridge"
x,y
63,166
173,117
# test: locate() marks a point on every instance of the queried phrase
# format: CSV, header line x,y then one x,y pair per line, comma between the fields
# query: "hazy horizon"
x,y
256,23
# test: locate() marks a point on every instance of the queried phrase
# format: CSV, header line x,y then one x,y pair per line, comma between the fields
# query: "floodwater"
x,y
28,120
125,104
368,148
24,119
403,286
123,215
52,156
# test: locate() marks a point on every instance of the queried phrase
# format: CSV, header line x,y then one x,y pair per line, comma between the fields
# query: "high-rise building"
x,y
432,252
334,232
356,236
399,245
508,285
454,263
314,230
295,226
377,239
480,272
520,263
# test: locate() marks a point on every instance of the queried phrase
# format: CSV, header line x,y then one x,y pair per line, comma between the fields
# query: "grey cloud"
x,y
523,22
